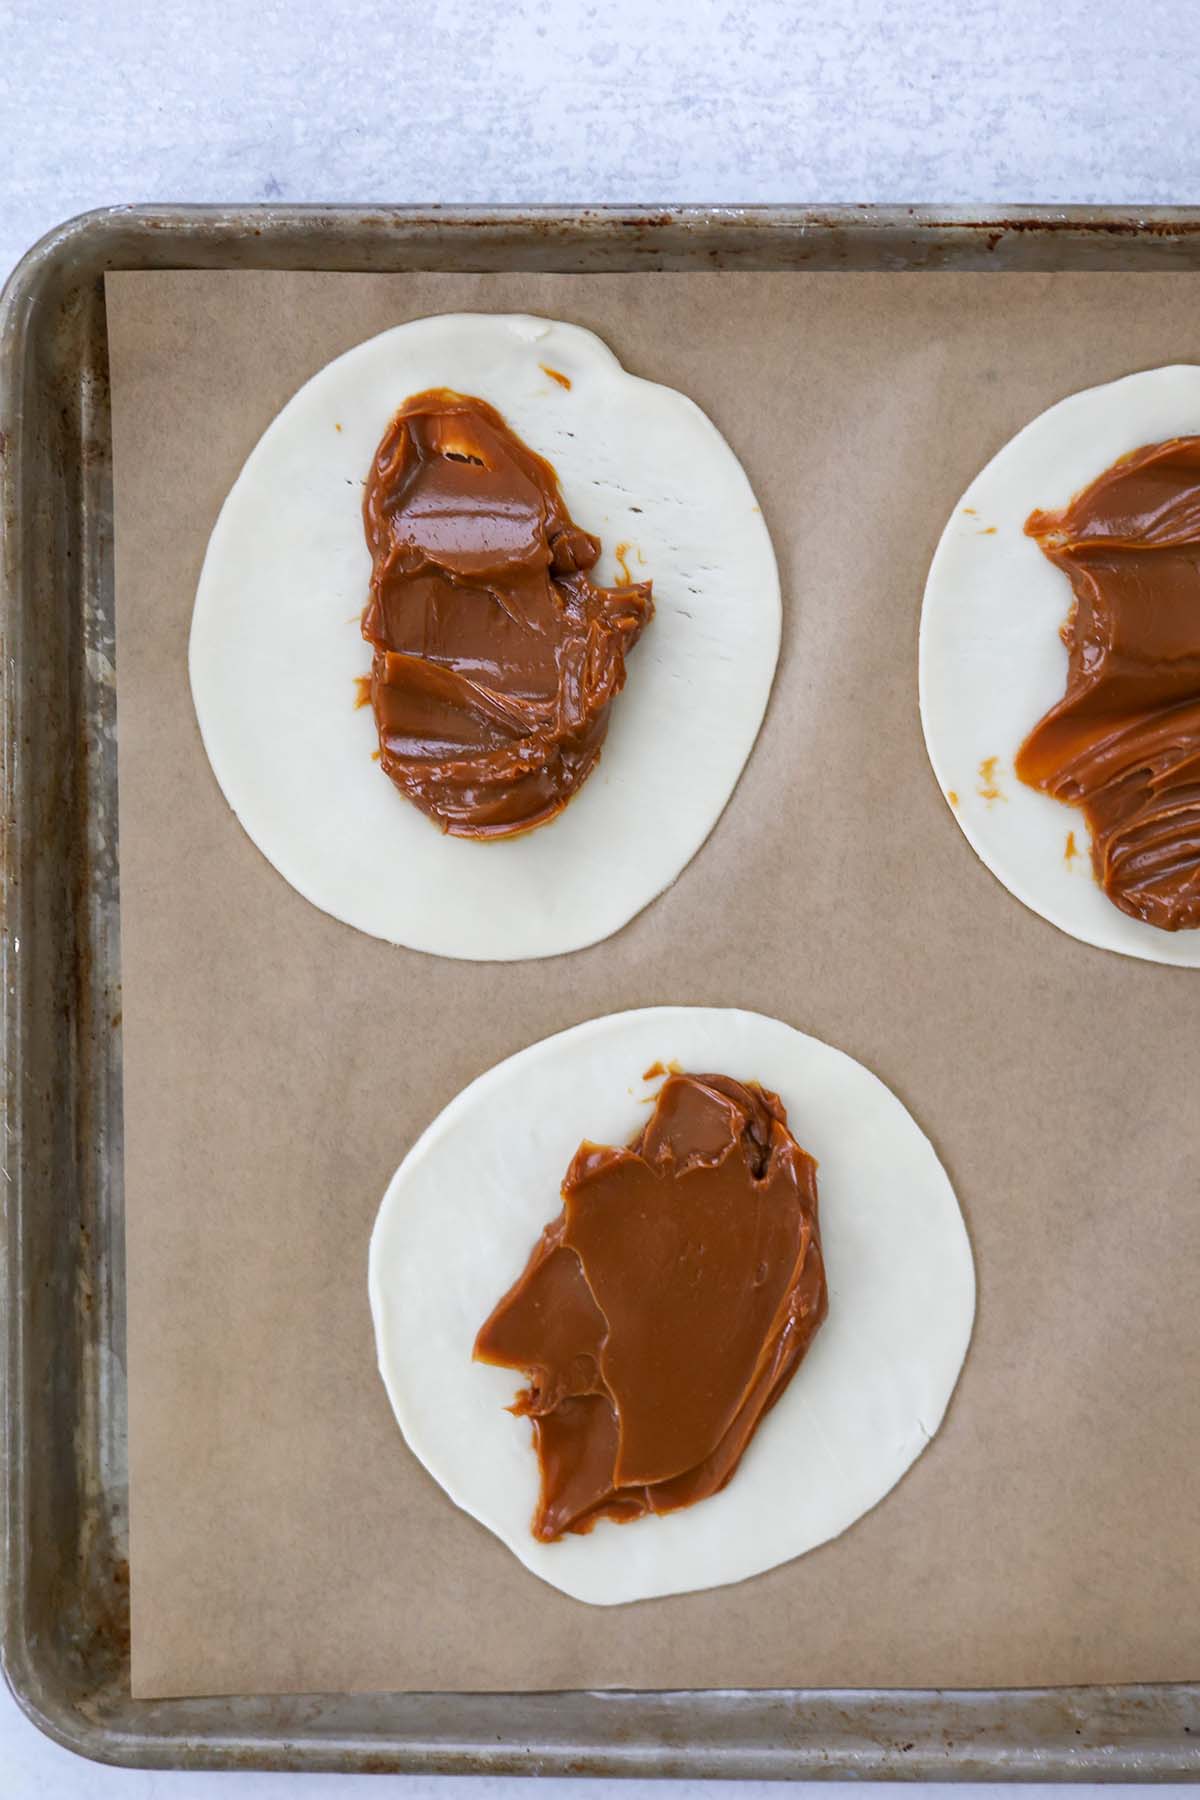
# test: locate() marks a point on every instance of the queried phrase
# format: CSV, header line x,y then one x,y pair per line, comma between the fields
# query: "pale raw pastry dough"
x,y
469,1200
992,661
275,644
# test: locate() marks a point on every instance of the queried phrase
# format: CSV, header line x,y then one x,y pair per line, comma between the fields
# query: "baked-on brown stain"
x,y
495,658
564,381
1123,743
666,1308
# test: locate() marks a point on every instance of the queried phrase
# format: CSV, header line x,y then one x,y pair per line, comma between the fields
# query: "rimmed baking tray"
x,y
66,1623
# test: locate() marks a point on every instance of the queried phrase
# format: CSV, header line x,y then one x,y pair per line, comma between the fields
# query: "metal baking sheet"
x,y
66,1621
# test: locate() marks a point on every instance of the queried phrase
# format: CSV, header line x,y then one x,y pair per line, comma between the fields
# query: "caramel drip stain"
x,y
623,552
986,531
362,691
989,788
951,796
1071,852
564,381
337,427
970,511
657,1068
667,1307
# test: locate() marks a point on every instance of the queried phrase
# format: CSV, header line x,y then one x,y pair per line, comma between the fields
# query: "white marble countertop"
x,y
973,101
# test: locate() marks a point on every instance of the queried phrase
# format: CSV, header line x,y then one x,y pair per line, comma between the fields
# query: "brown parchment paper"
x,y
278,1065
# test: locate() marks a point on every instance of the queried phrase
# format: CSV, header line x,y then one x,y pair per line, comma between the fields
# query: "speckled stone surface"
x,y
554,100
973,101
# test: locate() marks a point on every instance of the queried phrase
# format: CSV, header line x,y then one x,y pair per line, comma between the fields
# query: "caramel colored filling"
x,y
666,1308
495,658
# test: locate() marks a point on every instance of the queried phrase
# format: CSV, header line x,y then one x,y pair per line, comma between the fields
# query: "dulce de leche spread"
x,y
1124,741
496,659
666,1308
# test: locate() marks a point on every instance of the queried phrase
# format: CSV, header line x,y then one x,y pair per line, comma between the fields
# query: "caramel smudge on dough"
x,y
989,790
659,1068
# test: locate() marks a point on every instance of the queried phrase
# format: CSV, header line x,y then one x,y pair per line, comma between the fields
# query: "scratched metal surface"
x,y
62,1346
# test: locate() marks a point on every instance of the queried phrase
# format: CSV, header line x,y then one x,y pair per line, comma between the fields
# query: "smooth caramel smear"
x,y
1123,743
666,1308
495,658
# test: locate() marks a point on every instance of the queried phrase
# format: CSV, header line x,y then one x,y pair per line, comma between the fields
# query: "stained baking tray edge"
x,y
66,1603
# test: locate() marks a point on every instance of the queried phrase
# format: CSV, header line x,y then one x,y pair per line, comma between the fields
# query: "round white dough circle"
x,y
992,661
468,1202
276,646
